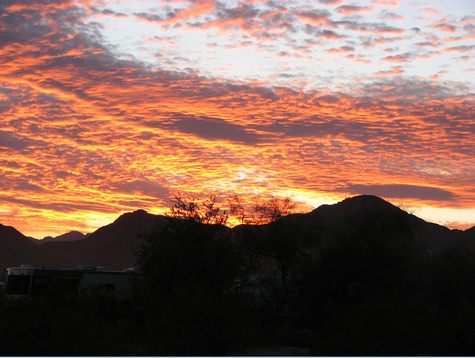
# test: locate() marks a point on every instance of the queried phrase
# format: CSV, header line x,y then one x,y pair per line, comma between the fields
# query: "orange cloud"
x,y
86,135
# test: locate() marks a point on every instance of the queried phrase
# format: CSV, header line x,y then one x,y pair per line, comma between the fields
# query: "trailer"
x,y
86,280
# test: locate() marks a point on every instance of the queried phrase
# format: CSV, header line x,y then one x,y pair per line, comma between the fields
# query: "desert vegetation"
x,y
328,283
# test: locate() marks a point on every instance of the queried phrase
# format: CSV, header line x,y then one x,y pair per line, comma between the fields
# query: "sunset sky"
x,y
114,106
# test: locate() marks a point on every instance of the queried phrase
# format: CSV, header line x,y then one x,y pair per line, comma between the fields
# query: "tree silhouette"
x,y
189,268
260,211
204,212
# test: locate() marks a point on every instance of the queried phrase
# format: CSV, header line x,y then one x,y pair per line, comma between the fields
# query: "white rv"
x,y
30,281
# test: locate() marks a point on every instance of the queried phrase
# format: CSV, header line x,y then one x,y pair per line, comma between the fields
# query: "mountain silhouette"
x,y
10,234
15,248
367,213
114,246
69,236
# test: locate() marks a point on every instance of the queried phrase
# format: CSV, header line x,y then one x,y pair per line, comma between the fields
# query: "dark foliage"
x,y
361,286
187,290
52,327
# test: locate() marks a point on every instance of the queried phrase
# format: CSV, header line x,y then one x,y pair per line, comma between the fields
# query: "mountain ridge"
x,y
69,236
114,245
8,232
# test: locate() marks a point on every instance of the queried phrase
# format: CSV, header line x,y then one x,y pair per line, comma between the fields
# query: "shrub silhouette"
x,y
360,286
189,270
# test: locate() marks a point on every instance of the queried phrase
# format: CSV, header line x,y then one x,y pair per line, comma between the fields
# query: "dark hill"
x,y
111,246
115,245
471,231
358,277
10,234
69,236
359,215
15,248
370,214
355,221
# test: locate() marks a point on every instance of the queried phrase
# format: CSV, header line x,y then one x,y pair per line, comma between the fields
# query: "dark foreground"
x,y
365,285
428,310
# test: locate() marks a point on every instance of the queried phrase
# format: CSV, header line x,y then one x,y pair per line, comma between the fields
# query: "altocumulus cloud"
x,y
11,141
80,123
214,129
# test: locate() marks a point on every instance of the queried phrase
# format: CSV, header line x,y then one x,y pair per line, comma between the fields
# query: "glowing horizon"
x,y
113,106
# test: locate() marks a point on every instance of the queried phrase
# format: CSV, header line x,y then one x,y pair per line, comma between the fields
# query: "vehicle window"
x,y
18,285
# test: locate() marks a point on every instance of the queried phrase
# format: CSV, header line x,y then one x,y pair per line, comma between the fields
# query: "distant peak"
x,y
8,228
133,214
69,236
9,232
140,211
136,212
360,202
366,201
365,198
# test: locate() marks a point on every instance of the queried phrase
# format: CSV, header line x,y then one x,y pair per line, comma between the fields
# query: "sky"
x,y
112,106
